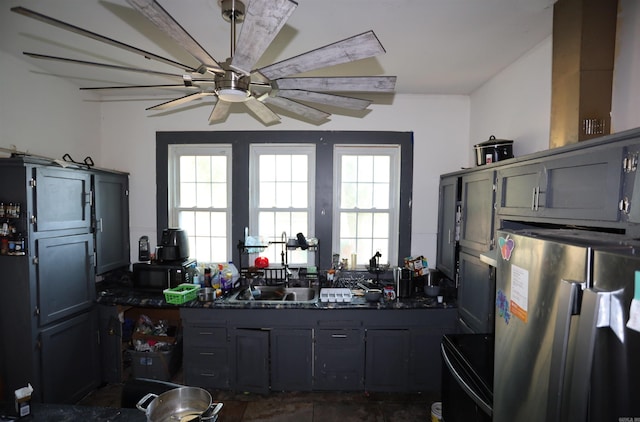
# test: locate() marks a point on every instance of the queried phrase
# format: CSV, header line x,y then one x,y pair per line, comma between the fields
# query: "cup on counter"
x,y
388,293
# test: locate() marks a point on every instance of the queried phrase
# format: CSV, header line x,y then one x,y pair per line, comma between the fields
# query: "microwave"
x,y
157,276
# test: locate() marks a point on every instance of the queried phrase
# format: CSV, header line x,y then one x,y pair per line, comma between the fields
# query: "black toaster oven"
x,y
157,276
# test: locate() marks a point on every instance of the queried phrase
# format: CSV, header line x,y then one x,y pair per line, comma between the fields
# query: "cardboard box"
x,y
160,365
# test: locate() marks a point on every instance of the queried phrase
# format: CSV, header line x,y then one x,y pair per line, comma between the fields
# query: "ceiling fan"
x,y
234,80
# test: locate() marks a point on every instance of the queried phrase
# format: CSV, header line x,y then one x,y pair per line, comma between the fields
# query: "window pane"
x,y
349,168
365,228
203,224
283,168
299,195
267,195
219,169
283,195
380,225
381,196
218,224
203,166
187,168
365,169
203,195
365,196
187,222
187,195
299,168
219,195
348,227
381,165
349,195
267,168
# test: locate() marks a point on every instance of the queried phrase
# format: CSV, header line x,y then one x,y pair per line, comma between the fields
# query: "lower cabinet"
x,y
339,359
206,355
264,350
291,359
387,360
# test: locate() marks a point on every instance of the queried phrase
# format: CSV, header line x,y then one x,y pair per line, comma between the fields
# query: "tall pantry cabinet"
x,y
48,317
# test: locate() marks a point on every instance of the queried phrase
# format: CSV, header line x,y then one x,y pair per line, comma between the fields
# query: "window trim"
x,y
324,141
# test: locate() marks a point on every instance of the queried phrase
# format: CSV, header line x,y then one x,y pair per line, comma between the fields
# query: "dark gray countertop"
x,y
125,296
62,413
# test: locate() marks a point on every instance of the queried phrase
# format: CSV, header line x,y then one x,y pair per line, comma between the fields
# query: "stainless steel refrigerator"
x,y
567,327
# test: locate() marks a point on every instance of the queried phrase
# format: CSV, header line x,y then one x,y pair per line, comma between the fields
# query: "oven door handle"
x,y
476,398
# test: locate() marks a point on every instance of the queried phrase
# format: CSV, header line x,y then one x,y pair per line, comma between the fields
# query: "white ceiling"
x,y
432,46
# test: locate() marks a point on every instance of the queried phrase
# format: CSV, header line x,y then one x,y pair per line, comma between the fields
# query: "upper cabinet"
x,y
448,225
577,186
62,199
477,209
111,196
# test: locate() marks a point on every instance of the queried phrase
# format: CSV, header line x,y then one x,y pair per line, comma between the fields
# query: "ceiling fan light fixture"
x,y
232,87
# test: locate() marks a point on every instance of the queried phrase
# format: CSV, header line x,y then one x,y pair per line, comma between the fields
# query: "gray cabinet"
x,y
321,350
206,357
111,198
476,293
251,360
577,186
48,321
339,359
62,199
68,353
448,226
387,360
291,359
477,201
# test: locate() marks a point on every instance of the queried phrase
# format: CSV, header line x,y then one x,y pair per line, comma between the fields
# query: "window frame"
x,y
257,149
324,141
176,151
388,150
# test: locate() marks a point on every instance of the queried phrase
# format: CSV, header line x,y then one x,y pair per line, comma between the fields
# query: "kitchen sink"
x,y
276,294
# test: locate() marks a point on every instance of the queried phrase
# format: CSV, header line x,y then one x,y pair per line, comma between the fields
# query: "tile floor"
x,y
302,406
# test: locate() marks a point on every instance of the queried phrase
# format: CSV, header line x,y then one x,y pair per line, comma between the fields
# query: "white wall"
x,y
516,104
44,114
439,123
625,107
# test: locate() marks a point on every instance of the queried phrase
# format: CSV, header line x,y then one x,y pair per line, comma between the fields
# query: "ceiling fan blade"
x,y
336,84
327,99
98,37
109,66
305,111
97,88
220,111
262,22
167,24
264,113
180,101
355,48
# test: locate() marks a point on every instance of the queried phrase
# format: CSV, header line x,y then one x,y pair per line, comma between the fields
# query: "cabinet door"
x,y
65,277
476,226
62,199
447,227
518,188
110,344
476,294
69,356
586,186
387,361
425,363
251,360
112,221
291,359
339,356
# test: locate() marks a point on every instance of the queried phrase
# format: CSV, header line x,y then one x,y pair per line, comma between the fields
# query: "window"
x,y
262,207
282,196
200,198
366,192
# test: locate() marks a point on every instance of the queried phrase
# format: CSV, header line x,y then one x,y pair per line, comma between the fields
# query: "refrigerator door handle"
x,y
486,407
569,296
577,405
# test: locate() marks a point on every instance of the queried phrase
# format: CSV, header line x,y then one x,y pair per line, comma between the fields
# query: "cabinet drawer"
x,y
204,335
345,337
